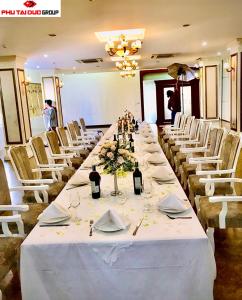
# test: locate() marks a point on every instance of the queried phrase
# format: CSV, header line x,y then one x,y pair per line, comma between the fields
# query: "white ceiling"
x,y
216,21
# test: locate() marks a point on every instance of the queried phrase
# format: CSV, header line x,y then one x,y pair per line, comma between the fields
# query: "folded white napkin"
x,y
79,179
54,212
171,203
153,148
163,173
155,158
110,221
150,140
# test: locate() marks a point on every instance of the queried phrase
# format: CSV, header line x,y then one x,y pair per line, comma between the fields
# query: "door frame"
x,y
195,99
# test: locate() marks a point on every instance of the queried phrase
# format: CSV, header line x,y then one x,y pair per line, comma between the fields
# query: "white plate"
x,y
108,228
55,220
174,213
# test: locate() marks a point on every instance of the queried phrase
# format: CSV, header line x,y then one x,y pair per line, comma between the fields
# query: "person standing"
x,y
174,104
50,115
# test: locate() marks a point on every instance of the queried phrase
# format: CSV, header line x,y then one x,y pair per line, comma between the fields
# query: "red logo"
x,y
29,3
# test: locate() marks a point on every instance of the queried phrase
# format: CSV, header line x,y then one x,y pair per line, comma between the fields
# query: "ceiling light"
x,y
45,55
122,48
131,34
219,53
204,43
37,67
127,74
228,49
127,65
74,68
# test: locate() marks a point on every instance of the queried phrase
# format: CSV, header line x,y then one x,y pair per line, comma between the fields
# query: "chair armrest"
x,y
215,199
62,156
37,181
14,207
72,148
223,180
52,165
215,172
29,188
194,150
209,161
48,169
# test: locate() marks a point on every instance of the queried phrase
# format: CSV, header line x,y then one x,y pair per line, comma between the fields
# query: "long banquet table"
x,y
167,259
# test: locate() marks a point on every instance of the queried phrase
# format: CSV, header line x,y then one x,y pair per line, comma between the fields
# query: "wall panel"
x,y
211,92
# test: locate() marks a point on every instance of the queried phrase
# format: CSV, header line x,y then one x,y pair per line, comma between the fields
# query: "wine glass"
x,y
147,194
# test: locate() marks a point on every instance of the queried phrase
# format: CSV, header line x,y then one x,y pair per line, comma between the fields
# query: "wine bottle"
x,y
95,179
131,143
136,126
114,138
133,121
137,179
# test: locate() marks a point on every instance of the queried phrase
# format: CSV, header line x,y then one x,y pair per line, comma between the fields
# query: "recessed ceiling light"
x,y
228,49
45,55
219,53
37,67
52,34
204,43
186,25
74,68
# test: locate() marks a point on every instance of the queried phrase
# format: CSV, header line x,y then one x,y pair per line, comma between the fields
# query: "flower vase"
x,y
116,191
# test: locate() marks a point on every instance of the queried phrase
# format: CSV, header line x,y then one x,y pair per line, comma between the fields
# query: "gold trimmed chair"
x,y
49,170
18,215
81,135
36,189
189,167
75,140
89,132
9,260
60,155
68,146
223,211
225,167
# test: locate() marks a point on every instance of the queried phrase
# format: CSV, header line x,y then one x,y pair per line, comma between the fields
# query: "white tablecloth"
x,y
167,259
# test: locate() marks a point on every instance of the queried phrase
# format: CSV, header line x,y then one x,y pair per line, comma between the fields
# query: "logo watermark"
x,y
30,8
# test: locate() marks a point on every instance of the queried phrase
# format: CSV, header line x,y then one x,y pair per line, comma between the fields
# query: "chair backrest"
x,y
72,132
221,133
62,136
188,124
5,198
204,134
83,125
77,128
39,150
212,140
21,163
194,128
183,122
53,142
238,174
229,151
177,119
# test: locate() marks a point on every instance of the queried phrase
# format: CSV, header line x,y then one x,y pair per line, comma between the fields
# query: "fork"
x,y
173,218
90,224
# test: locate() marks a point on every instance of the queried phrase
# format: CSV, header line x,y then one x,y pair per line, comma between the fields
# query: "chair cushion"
x,y
84,153
29,217
189,169
209,213
76,162
9,254
175,149
53,191
67,173
198,188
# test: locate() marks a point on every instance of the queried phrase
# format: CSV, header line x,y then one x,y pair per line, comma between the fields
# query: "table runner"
x,y
167,259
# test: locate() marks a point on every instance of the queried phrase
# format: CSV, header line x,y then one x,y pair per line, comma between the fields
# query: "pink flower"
x,y
110,155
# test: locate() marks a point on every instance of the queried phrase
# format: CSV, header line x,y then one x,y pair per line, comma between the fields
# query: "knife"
x,y
138,226
53,225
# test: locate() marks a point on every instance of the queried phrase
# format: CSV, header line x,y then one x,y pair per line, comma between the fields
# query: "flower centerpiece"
x,y
117,160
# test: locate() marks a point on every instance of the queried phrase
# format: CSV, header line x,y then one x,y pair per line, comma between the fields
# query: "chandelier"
x,y
127,74
122,48
127,65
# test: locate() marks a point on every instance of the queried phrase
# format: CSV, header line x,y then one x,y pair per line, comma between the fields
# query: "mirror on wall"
x,y
36,106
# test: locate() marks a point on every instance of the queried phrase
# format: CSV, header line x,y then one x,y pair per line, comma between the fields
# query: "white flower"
x,y
120,160
113,148
103,152
110,155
